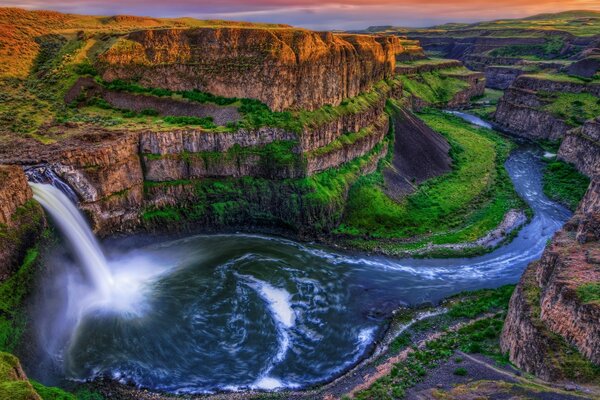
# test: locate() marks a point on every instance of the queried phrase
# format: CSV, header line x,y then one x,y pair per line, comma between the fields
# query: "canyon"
x,y
167,128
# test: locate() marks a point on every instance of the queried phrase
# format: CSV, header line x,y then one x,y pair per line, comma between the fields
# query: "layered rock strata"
x,y
552,325
283,68
521,110
21,219
581,147
86,89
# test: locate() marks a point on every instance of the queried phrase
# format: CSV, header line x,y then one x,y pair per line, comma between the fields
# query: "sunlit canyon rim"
x,y
219,209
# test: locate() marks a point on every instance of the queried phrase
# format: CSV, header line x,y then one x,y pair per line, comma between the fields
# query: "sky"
x,y
318,14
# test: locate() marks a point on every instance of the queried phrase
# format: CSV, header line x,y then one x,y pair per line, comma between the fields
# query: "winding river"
x,y
233,312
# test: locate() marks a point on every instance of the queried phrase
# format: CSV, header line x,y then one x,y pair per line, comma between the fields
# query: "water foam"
x,y
279,303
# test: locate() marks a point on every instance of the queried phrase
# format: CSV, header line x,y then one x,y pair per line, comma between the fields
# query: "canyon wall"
x,y
523,109
552,326
283,68
21,219
581,147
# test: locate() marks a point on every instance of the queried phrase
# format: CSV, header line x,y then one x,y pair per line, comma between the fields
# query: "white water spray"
x,y
78,233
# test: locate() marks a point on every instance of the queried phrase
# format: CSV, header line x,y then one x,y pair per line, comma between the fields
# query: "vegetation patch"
x,y
12,294
312,203
564,183
434,87
573,108
550,49
461,206
481,336
589,292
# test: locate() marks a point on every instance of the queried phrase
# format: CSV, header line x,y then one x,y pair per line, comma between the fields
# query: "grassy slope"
x,y
459,207
479,337
434,87
564,184
573,108
579,23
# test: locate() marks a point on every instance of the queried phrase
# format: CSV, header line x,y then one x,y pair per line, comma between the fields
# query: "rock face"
x,y
88,88
284,68
420,153
581,147
521,108
549,311
476,87
501,77
21,220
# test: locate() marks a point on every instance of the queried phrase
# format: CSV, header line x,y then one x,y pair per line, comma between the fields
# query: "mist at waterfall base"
x,y
233,312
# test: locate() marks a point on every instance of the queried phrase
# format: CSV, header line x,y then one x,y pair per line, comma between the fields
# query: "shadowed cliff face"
x,y
581,147
284,68
21,219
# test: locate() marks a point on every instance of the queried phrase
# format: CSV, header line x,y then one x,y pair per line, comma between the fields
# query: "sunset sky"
x,y
319,14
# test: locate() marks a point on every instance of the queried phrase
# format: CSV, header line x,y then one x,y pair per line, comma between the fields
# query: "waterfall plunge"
x,y
78,233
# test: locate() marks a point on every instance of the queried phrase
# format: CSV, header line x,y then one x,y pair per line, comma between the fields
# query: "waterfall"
x,y
78,233
45,174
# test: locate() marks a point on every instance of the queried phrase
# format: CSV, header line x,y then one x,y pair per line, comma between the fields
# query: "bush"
x,y
148,112
460,372
206,122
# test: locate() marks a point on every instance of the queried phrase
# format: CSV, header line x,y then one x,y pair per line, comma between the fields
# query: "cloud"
x,y
319,14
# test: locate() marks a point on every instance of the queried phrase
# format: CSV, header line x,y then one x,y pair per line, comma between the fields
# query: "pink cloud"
x,y
319,14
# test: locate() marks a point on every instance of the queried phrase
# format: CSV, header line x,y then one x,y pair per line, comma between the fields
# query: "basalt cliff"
x,y
284,68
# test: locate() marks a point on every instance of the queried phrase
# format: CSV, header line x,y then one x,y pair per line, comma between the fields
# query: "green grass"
x,y
435,87
564,183
481,337
254,113
55,393
589,292
550,49
12,294
311,204
560,77
458,207
485,106
475,303
573,108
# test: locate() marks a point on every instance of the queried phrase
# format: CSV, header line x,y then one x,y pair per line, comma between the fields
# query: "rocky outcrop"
x,y
549,311
475,87
347,148
284,68
501,77
408,69
21,220
420,153
518,112
86,89
585,68
288,203
177,141
107,176
581,147
521,110
473,42
534,83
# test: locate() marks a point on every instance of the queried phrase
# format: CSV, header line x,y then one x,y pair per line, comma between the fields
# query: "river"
x,y
232,312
